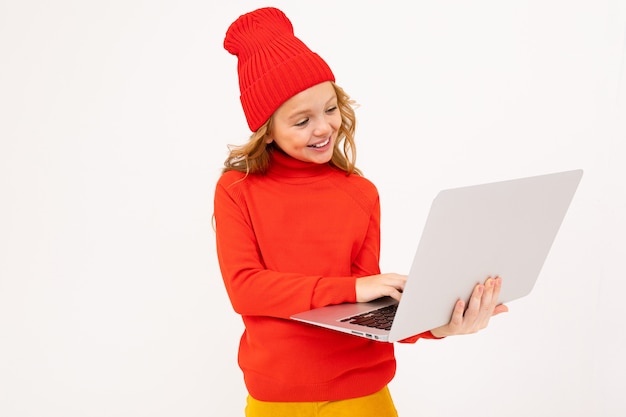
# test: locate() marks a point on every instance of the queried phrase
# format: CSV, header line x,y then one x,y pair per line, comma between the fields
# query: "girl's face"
x,y
305,127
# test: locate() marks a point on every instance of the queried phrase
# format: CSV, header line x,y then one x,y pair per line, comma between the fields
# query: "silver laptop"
x,y
501,229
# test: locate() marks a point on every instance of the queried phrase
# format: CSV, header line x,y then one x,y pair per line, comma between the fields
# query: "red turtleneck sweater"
x,y
294,239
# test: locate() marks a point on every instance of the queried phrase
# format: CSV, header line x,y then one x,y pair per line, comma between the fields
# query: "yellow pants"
x,y
379,404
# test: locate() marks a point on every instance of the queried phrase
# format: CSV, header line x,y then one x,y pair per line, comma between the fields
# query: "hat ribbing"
x,y
273,64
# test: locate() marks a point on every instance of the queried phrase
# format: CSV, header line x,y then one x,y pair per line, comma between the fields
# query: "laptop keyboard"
x,y
378,319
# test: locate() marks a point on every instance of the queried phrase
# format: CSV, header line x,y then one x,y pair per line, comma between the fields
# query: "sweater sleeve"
x,y
255,290
367,261
414,339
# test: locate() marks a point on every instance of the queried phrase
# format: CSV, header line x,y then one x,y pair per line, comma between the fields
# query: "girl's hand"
x,y
481,307
376,286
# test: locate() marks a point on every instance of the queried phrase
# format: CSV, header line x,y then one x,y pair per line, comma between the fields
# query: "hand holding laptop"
x,y
483,305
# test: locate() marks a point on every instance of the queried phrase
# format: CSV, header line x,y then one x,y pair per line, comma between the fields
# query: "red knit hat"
x,y
273,64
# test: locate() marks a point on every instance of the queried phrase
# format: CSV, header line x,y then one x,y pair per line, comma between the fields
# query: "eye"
x,y
331,109
302,122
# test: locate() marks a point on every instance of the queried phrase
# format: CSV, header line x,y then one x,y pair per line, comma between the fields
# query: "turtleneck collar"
x,y
284,165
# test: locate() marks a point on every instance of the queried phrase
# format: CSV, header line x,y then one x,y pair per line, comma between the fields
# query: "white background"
x,y
114,121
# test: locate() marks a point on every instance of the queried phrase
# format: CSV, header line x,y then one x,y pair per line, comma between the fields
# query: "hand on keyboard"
x,y
377,286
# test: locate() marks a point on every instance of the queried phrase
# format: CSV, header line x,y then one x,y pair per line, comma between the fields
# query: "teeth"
x,y
321,145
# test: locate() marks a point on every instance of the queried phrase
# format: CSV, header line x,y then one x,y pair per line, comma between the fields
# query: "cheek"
x,y
292,141
336,123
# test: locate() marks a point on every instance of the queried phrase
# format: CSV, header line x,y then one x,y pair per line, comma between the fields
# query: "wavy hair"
x,y
253,157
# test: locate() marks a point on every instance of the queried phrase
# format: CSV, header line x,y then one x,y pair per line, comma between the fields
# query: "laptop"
x,y
501,229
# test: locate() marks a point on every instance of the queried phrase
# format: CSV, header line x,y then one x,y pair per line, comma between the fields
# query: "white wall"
x,y
114,120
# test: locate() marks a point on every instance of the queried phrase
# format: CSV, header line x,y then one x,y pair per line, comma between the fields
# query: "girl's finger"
x,y
473,308
487,303
457,315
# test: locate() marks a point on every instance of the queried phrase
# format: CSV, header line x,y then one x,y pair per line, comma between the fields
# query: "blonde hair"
x,y
253,157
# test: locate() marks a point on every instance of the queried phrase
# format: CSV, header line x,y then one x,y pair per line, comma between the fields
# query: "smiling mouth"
x,y
321,144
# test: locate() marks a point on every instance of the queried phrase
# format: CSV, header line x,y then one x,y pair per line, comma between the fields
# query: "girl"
x,y
297,227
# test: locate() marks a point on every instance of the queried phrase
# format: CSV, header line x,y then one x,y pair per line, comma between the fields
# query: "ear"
x,y
269,140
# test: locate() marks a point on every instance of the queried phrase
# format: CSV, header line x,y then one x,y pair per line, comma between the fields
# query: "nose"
x,y
323,127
